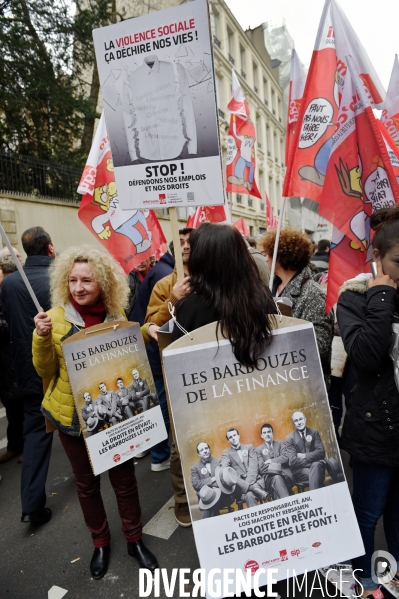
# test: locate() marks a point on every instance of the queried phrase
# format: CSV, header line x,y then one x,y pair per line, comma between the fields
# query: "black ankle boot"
x,y
99,562
143,555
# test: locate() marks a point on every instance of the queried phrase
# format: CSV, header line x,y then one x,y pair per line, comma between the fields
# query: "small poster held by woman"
x,y
114,392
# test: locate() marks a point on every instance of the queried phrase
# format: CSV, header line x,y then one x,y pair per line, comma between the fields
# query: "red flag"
x,y
346,261
131,236
271,220
297,85
241,226
335,40
240,163
210,214
360,178
390,114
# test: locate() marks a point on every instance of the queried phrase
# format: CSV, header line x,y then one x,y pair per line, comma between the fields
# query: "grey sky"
x,y
376,24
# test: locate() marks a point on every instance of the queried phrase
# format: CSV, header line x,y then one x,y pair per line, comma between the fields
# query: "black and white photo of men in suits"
x,y
90,415
203,474
305,454
273,464
107,405
243,459
141,392
124,395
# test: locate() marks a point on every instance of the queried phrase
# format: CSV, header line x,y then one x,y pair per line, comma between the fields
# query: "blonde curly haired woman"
x,y
87,288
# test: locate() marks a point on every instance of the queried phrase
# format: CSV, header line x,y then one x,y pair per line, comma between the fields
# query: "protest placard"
x,y
114,392
260,459
157,82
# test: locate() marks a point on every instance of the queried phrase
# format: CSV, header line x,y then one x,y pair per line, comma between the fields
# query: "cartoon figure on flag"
x,y
120,221
313,138
360,179
240,163
131,236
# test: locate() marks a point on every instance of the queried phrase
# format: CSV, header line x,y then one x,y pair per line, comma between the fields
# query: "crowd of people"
x,y
226,279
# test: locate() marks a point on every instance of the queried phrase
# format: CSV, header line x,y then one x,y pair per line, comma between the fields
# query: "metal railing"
x,y
216,41
40,178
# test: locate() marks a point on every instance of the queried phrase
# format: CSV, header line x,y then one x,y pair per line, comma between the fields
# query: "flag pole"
x,y
20,269
174,223
280,220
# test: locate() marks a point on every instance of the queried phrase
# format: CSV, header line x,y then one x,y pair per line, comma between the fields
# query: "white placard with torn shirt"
x,y
157,83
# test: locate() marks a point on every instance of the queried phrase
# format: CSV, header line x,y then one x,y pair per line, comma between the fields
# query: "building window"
x,y
215,23
255,76
259,135
273,101
265,92
219,90
250,202
242,61
230,45
268,141
239,198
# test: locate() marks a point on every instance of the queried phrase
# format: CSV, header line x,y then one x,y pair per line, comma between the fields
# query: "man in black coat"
x,y
160,452
19,311
305,452
10,396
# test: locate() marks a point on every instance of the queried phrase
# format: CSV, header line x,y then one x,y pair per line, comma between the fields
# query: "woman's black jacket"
x,y
371,426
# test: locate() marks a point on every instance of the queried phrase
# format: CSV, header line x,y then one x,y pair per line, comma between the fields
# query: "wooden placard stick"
x,y
176,243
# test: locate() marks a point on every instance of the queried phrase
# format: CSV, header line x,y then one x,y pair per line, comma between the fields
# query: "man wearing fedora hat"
x,y
89,414
203,474
306,453
273,464
243,459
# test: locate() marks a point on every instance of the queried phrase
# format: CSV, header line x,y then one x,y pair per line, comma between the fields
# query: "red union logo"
x,y
147,439
283,555
131,447
317,544
117,457
295,552
162,198
252,565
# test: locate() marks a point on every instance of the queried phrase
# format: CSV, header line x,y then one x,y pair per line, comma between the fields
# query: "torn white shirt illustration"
x,y
158,111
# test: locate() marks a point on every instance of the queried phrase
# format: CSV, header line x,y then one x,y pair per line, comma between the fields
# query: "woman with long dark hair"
x,y
368,314
225,286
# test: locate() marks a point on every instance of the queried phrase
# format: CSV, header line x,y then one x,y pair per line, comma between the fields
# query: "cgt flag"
x,y
271,220
346,261
390,114
210,214
131,236
297,85
307,167
241,226
360,179
240,162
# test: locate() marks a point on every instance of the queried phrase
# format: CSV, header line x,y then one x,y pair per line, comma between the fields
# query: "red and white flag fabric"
x,y
390,114
131,236
241,226
360,179
295,94
336,39
271,220
346,261
210,214
241,141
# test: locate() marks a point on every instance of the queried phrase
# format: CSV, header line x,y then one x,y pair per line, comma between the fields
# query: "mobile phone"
x,y
373,267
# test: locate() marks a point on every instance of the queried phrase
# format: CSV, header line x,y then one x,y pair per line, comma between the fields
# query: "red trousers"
x,y
124,483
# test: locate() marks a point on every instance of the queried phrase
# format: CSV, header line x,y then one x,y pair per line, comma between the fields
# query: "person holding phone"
x,y
367,311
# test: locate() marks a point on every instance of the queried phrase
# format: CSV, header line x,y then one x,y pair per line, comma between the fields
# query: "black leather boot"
x,y
99,562
143,555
